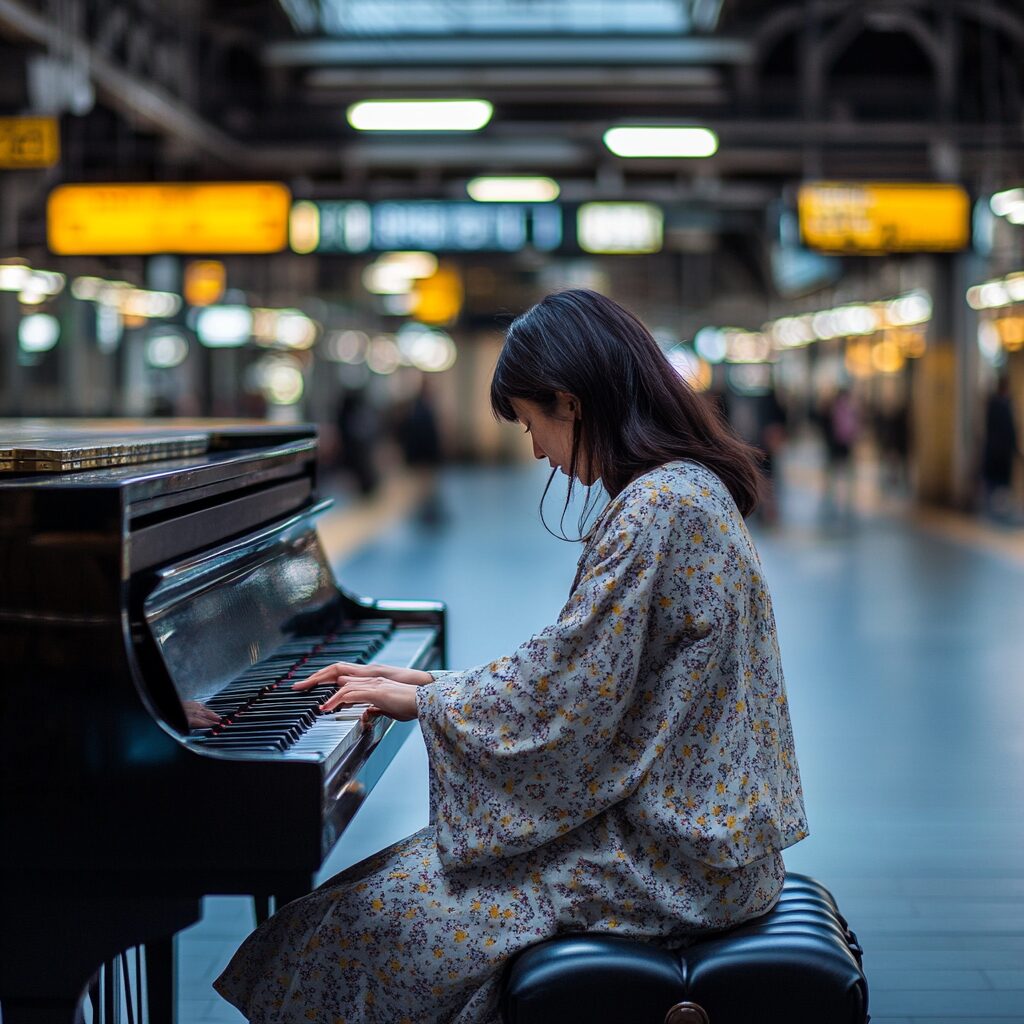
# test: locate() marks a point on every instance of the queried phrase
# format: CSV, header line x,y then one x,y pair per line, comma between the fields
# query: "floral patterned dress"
x,y
629,770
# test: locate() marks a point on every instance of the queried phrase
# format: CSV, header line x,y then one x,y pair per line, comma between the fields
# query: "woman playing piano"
x,y
629,769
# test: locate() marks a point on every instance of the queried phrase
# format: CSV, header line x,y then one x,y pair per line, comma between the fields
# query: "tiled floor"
x,y
903,649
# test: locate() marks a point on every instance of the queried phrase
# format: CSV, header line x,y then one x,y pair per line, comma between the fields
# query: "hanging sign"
x,y
875,217
146,219
27,142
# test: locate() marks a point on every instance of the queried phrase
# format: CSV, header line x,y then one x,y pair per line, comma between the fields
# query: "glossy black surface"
x,y
799,964
126,591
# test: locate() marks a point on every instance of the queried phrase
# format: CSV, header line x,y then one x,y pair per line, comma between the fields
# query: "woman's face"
x,y
552,433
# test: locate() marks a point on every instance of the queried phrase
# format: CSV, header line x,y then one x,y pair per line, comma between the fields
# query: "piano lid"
x,y
70,446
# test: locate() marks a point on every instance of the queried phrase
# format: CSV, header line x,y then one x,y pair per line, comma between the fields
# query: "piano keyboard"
x,y
262,715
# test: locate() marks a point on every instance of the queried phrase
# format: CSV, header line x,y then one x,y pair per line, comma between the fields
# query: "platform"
x,y
902,642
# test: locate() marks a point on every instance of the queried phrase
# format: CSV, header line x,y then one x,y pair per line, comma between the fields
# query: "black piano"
x,y
141,569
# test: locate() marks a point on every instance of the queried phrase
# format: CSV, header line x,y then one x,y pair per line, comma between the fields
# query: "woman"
x,y
629,769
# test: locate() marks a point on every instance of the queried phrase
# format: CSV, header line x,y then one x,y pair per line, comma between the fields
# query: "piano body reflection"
x,y
138,572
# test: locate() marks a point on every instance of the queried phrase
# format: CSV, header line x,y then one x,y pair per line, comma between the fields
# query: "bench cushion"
x,y
798,964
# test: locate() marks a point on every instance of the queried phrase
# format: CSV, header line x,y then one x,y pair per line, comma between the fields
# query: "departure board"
x,y
877,218
173,217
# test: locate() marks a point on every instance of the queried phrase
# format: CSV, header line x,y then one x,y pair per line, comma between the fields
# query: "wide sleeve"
x,y
527,747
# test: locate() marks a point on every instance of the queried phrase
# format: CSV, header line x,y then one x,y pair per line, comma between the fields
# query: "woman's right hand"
x,y
333,673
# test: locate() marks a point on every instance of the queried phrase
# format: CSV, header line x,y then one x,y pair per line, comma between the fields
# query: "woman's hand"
x,y
199,716
349,670
385,697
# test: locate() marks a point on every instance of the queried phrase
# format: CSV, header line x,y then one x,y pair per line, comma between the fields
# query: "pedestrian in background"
x,y
840,423
999,450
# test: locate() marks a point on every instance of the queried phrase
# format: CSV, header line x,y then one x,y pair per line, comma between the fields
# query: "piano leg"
x,y
261,908
161,981
51,944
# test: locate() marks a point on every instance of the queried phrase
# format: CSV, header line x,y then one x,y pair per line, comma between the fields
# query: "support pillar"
x,y
945,392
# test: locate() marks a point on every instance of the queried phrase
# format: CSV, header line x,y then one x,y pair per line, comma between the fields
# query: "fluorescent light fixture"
x,y
419,115
661,142
1003,202
513,190
619,227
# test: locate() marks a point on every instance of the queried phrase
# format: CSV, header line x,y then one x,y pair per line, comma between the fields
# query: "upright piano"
x,y
142,569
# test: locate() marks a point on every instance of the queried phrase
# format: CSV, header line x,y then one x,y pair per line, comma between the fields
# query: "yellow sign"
x,y
205,281
437,299
29,142
875,218
143,219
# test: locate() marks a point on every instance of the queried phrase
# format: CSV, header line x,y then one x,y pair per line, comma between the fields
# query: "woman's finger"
x,y
351,691
333,672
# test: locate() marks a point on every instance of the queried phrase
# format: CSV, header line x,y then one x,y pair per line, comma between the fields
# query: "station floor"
x,y
903,639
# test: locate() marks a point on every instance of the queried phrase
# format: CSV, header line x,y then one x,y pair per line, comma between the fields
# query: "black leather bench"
x,y
799,964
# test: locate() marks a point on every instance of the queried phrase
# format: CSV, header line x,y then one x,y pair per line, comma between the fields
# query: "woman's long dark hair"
x,y
636,412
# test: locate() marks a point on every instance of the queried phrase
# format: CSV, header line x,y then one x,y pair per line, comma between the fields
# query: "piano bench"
x,y
798,964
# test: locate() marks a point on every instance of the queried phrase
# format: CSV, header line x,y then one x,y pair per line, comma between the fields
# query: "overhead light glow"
x,y
393,273
224,326
661,142
346,346
710,344
513,190
33,286
1004,202
38,332
383,356
166,349
419,115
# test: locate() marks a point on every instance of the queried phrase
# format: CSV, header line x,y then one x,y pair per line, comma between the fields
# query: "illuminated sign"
x,y
620,227
29,142
143,219
879,218
430,225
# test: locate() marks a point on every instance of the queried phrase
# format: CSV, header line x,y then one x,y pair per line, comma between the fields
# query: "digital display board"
x,y
335,226
146,219
881,217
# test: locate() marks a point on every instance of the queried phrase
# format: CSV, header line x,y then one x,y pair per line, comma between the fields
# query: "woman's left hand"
x,y
385,697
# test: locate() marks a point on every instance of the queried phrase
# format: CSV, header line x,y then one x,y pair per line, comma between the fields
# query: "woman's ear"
x,y
568,403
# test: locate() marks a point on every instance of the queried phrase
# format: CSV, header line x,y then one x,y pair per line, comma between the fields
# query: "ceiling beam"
x,y
508,51
148,104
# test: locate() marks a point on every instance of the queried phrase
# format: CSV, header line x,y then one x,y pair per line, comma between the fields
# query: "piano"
x,y
140,569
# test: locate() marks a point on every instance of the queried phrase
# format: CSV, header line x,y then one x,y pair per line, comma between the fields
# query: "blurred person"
x,y
420,440
840,424
1000,448
892,433
771,440
357,431
630,769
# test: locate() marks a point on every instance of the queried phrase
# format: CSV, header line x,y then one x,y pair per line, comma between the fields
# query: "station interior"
x,y
327,213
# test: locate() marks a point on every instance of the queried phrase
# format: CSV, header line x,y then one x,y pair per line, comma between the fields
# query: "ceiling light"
x,y
38,332
419,115
661,142
1003,202
513,190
